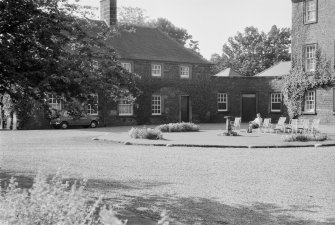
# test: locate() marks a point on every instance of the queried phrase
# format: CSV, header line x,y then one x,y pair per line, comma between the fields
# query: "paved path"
x,y
197,185
211,136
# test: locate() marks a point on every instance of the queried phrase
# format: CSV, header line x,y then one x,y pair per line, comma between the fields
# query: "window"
x,y
55,102
126,66
222,102
92,104
156,105
310,11
276,99
125,107
310,58
184,71
156,70
309,106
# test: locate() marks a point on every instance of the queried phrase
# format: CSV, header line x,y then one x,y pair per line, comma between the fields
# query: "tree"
x,y
46,48
252,51
132,16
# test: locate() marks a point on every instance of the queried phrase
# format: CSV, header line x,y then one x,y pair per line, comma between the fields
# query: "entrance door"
x,y
185,108
248,107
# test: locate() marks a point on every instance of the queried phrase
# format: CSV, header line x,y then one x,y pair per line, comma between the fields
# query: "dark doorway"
x,y
184,108
248,107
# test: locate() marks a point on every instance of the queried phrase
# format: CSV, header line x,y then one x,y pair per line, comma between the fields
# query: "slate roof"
x,y
146,43
228,73
278,70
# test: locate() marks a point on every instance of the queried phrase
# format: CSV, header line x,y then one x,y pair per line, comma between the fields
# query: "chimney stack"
x,y
108,12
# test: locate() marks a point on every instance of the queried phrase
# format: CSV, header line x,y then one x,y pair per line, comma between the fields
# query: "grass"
x,y
178,127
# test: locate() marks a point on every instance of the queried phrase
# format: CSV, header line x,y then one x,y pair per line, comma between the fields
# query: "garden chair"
x,y
315,126
280,126
293,126
266,126
304,126
236,124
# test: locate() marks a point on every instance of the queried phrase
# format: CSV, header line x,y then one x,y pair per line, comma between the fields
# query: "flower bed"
x,y
304,137
178,127
145,133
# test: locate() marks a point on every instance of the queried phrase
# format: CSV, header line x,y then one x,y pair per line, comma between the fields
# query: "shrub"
x,y
178,127
55,202
304,137
145,133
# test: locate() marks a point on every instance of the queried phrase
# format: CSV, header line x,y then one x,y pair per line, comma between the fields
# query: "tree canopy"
x,y
46,47
252,51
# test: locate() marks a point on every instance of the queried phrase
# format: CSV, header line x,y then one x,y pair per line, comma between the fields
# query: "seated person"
x,y
256,123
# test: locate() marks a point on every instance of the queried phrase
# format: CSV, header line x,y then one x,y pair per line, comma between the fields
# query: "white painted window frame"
x,y
276,98
222,98
156,105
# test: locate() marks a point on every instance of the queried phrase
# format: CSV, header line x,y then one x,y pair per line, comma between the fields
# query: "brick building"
x,y
313,28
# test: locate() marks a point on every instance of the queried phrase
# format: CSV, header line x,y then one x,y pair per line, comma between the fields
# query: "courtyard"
x,y
197,185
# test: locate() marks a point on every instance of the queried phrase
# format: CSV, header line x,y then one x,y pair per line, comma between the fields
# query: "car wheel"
x,y
64,125
94,124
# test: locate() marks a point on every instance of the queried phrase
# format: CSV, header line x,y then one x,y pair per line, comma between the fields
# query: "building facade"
x,y
313,30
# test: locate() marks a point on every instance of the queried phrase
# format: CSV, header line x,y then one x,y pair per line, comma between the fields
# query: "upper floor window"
x,y
126,66
125,107
276,99
184,71
156,70
310,11
309,103
156,105
92,104
310,58
55,102
222,102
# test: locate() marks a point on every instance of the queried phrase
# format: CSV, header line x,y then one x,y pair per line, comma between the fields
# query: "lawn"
x,y
197,185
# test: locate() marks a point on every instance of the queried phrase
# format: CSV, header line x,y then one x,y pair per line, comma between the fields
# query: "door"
x,y
249,108
185,108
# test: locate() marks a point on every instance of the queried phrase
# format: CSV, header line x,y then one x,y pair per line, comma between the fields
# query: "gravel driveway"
x,y
197,185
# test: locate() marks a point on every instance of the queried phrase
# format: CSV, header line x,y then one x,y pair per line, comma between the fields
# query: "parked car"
x,y
64,121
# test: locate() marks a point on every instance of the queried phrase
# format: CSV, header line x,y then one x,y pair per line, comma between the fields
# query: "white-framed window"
x,y
92,104
126,66
309,104
184,72
156,70
55,102
310,58
156,105
125,107
222,102
276,102
310,11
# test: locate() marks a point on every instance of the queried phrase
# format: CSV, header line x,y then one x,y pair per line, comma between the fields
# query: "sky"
x,y
212,22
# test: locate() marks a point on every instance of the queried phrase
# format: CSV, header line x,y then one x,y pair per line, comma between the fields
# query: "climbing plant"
x,y
299,81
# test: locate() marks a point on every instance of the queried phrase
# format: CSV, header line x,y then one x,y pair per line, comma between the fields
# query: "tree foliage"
x,y
252,51
46,47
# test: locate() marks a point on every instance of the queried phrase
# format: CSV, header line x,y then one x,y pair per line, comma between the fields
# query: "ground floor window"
x,y
55,102
125,107
156,105
309,104
222,99
276,102
92,104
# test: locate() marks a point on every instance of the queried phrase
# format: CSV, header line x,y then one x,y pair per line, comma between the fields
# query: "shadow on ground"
x,y
146,210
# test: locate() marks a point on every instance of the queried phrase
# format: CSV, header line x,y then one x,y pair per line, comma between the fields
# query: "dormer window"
x,y
310,8
184,72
